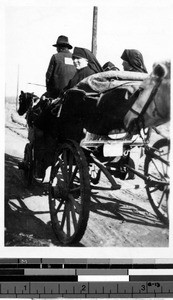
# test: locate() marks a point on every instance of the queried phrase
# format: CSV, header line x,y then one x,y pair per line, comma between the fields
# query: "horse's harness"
x,y
31,108
140,119
33,99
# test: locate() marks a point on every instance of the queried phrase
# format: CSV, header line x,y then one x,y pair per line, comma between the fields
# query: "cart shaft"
x,y
147,179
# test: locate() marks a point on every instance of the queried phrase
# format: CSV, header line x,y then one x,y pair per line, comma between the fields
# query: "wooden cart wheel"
x,y
69,193
157,167
28,170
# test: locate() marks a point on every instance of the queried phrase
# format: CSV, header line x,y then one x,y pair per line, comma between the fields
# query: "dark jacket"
x,y
59,72
80,74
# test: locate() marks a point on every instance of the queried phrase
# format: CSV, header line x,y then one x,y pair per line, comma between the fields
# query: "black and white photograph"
x,y
87,122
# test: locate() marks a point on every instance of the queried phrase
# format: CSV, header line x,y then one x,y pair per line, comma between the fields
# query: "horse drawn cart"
x,y
84,147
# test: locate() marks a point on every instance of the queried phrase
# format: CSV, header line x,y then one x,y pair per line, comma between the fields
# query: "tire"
x,y
28,171
69,194
158,169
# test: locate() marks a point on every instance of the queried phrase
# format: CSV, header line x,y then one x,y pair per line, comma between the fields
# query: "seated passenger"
x,y
86,64
133,61
108,66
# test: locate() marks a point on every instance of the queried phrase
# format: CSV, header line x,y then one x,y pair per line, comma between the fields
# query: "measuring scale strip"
x,y
83,266
75,278
152,274
86,263
92,261
86,289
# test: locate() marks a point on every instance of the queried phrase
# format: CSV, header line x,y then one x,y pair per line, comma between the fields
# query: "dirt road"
x,y
120,218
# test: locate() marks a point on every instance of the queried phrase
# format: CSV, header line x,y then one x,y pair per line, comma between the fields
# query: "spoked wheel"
x,y
69,193
28,164
157,168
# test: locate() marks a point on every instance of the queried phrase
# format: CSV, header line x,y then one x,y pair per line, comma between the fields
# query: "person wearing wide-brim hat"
x,y
62,41
61,68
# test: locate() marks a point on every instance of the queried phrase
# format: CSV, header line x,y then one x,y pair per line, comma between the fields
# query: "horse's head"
x,y
163,96
152,106
25,101
162,69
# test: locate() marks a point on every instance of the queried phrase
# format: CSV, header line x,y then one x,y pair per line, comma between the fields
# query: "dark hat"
x,y
79,53
109,66
93,63
62,41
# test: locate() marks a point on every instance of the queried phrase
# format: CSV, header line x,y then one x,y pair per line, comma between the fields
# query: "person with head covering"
x,y
108,66
133,61
60,69
86,64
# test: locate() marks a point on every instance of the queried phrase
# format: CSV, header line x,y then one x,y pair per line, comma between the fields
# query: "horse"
x,y
28,104
42,142
32,105
152,106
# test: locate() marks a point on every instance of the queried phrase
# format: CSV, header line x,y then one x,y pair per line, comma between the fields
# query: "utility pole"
x,y
17,87
94,31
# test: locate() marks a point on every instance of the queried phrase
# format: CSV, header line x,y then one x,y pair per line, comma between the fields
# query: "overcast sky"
x,y
31,27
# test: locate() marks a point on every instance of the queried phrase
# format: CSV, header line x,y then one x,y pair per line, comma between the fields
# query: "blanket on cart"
x,y
104,81
109,101
99,102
